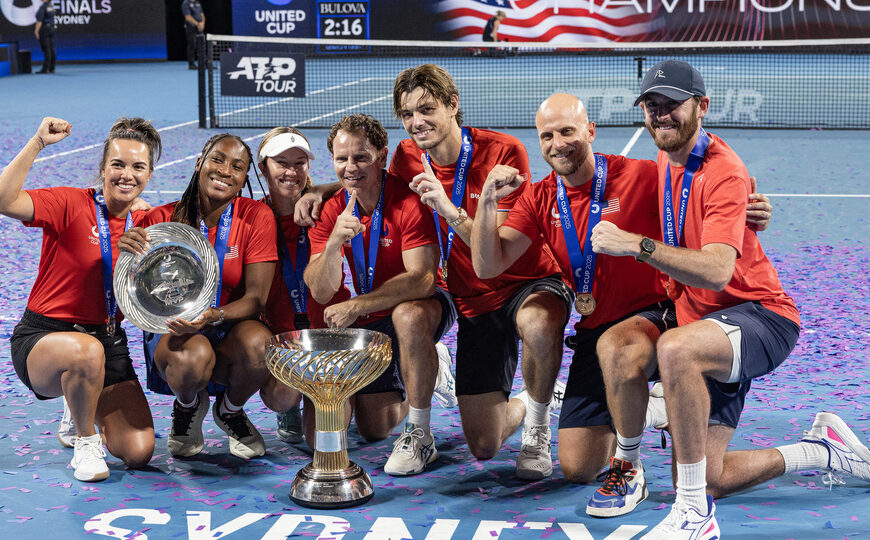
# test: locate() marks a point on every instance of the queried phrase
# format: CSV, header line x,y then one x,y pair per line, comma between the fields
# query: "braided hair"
x,y
187,209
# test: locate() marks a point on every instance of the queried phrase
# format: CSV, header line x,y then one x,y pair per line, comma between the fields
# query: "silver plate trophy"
x,y
176,278
329,366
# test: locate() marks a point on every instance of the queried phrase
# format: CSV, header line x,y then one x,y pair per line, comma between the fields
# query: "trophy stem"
x,y
330,448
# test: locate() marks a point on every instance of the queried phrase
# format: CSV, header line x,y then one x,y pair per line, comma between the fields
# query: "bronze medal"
x,y
444,270
584,304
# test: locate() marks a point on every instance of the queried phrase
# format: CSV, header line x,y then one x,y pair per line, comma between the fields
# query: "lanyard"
x,y
220,245
671,234
293,276
460,178
365,274
582,262
106,257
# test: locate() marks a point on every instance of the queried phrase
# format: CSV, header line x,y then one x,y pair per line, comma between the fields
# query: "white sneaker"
x,y
558,398
846,453
66,432
445,384
88,459
684,523
534,461
555,402
245,441
656,413
412,451
185,436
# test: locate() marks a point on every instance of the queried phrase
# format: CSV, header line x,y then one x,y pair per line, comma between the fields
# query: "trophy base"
x,y
314,488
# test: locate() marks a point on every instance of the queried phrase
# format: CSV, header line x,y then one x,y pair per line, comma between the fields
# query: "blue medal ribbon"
x,y
365,273
220,245
105,237
293,276
460,178
671,233
582,261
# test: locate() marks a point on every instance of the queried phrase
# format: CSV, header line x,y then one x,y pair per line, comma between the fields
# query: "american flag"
x,y
556,21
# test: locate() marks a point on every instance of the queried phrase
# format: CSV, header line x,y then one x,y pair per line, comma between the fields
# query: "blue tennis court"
x,y
818,181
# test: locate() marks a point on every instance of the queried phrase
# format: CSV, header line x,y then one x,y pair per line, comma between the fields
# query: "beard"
x,y
572,165
670,142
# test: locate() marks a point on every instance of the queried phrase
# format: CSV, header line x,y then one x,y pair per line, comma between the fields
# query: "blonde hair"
x,y
274,132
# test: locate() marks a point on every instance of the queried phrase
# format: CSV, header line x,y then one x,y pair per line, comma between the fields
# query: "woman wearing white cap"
x,y
284,155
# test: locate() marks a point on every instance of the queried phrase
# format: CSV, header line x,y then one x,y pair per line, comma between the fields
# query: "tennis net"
x,y
262,82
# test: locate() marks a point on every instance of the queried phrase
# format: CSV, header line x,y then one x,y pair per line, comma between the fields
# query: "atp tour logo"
x,y
20,13
263,74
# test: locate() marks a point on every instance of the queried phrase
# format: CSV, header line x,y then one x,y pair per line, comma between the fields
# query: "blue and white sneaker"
x,y
846,453
622,490
685,523
412,452
445,384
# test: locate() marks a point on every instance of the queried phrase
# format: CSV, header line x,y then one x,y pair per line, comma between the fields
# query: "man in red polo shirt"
x,y
446,164
735,321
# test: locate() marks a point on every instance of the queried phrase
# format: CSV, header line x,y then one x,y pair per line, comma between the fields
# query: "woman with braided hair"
x,y
221,351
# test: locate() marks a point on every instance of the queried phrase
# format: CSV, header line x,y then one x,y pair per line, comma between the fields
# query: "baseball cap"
x,y
282,143
673,79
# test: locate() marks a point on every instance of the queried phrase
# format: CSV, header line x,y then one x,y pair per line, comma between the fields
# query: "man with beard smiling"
x,y
735,321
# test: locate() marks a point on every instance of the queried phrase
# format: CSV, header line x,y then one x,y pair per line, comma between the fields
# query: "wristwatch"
x,y
647,246
463,215
220,319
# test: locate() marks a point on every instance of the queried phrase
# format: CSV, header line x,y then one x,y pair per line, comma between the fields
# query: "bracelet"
x,y
463,215
41,141
220,318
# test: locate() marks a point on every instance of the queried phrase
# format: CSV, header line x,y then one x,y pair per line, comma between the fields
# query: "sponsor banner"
x,y
91,29
268,74
278,18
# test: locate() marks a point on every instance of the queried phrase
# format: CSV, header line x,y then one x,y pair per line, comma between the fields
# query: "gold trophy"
x,y
329,366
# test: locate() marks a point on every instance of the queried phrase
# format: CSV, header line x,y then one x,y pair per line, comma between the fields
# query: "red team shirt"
x,y
621,285
279,313
406,224
475,296
716,213
69,285
252,240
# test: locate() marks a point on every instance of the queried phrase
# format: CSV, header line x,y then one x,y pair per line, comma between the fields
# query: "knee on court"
x,y
483,447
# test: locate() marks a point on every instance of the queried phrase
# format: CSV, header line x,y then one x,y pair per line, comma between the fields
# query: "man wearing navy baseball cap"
x,y
735,321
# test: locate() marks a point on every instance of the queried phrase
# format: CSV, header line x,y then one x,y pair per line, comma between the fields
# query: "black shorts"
x,y
487,349
156,382
585,401
33,327
391,379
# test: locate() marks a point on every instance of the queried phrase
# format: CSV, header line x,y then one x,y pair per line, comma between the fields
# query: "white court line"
x,y
257,136
828,195
90,146
192,122
631,142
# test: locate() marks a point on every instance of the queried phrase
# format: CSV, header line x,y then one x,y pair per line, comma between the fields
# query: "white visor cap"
x,y
283,142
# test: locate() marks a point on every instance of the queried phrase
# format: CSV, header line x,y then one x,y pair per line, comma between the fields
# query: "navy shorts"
x,y
156,382
33,327
585,401
487,345
391,379
767,339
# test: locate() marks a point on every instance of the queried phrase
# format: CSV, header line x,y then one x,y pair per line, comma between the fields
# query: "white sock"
x,y
420,418
190,405
628,448
228,407
692,485
537,414
804,456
